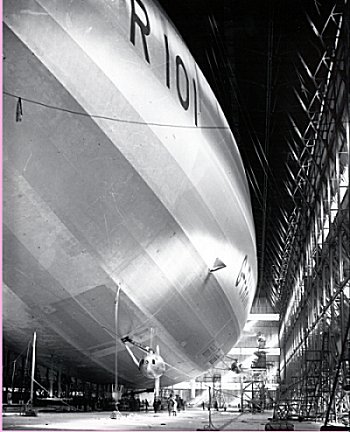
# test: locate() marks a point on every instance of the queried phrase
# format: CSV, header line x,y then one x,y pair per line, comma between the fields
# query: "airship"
x,y
120,171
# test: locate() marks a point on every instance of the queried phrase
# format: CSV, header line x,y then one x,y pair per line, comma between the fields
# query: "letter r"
x,y
145,28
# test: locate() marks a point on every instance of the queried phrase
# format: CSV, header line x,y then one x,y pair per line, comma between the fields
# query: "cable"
x,y
114,119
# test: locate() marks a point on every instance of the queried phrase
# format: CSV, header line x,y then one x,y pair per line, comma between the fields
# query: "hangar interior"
x,y
281,72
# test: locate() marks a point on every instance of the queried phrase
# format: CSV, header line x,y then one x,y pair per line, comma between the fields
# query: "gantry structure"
x,y
313,277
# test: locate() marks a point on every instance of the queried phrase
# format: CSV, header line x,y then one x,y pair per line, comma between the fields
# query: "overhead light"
x,y
218,265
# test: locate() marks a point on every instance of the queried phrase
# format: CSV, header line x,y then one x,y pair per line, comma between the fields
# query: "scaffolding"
x,y
253,391
213,382
315,271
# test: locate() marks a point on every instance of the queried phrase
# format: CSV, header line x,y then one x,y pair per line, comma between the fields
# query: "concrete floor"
x,y
191,419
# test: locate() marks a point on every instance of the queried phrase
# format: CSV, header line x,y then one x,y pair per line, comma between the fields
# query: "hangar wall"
x,y
315,277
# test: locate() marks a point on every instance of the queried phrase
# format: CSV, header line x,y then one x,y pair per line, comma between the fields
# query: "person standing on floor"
x,y
171,402
174,407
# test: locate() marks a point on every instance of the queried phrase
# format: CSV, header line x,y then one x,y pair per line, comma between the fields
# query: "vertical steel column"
x,y
33,370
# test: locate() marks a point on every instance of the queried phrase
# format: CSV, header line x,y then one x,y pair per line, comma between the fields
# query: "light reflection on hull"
x,y
99,202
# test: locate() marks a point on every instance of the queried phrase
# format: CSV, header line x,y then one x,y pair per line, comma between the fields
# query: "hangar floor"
x,y
191,419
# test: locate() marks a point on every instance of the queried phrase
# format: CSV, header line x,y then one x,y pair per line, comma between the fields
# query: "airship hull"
x,y
119,170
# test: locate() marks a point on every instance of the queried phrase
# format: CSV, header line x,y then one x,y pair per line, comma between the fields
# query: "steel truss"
x,y
253,391
314,279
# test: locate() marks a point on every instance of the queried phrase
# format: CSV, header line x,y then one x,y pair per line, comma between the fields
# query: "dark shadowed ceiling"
x,y
253,54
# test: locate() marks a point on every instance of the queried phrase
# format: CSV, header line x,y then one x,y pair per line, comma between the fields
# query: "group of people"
x,y
175,403
215,406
